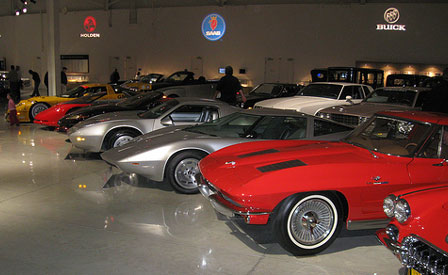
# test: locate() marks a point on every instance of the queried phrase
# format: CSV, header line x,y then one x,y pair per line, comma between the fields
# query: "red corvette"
x,y
310,188
418,233
52,115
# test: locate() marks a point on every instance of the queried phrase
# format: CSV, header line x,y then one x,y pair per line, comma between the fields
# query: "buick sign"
x,y
213,27
391,16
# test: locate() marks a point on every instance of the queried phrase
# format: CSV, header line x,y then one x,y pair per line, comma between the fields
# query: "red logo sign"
x,y
213,23
90,24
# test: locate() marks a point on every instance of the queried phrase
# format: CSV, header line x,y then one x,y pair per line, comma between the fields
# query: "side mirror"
x,y
349,99
167,121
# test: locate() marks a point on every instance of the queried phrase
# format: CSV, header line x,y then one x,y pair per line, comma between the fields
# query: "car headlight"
x,y
389,205
402,210
362,119
323,115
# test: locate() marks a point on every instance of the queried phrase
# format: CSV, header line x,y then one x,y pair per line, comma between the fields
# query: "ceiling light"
x,y
24,10
17,12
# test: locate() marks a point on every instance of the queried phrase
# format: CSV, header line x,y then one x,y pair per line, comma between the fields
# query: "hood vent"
x,y
281,165
259,153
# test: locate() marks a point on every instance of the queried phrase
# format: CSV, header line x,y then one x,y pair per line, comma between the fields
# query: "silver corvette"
x,y
110,130
173,153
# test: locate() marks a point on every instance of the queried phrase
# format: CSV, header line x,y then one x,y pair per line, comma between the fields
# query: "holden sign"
x,y
89,27
391,16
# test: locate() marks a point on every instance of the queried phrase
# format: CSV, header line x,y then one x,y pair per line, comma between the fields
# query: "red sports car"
x,y
310,188
52,115
418,233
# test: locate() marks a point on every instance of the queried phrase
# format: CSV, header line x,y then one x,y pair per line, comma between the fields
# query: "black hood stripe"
x,y
281,165
259,153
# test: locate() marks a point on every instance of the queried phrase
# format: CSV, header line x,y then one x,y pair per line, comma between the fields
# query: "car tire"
x,y
120,137
37,108
182,169
308,223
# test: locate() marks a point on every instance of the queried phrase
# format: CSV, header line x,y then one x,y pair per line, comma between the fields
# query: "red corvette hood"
x,y
235,166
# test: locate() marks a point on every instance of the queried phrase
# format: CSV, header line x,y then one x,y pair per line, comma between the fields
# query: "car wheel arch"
x,y
34,104
340,196
114,130
180,151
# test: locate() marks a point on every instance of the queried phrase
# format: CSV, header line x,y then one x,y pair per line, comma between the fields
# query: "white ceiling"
x,y
8,7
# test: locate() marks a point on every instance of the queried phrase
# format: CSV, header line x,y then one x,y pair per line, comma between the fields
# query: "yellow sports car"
x,y
144,83
27,109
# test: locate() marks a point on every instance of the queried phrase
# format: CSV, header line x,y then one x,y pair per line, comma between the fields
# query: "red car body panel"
x,y
52,115
362,178
427,226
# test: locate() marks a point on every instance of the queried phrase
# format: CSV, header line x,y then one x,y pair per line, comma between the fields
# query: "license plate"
x,y
412,271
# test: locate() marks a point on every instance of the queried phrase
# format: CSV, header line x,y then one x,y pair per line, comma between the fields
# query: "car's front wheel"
x,y
120,137
37,108
182,169
308,223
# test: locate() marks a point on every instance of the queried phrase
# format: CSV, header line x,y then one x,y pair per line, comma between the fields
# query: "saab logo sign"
x,y
213,27
391,16
90,26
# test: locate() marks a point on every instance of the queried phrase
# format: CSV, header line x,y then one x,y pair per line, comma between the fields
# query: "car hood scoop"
x,y
281,165
259,153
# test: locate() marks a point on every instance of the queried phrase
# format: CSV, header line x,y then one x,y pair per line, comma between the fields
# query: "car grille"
x,y
422,257
345,119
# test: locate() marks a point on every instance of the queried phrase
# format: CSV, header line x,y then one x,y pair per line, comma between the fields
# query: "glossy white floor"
x,y
56,218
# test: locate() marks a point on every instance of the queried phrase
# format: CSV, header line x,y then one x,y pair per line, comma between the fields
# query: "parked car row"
x,y
295,160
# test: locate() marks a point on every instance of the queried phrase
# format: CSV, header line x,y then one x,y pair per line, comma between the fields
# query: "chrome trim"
x,y
367,224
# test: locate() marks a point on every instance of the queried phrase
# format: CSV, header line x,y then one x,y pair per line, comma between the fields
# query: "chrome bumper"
x,y
415,253
208,193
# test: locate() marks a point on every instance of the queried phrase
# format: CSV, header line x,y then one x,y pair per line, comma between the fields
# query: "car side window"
x,y
322,127
209,114
436,146
187,113
273,127
354,91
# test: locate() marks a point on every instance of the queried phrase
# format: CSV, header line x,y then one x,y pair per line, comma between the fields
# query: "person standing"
x,y
19,75
229,87
14,84
114,77
46,81
13,120
36,80
64,80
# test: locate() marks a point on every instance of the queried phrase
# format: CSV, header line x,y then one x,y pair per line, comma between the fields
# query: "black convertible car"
x,y
141,101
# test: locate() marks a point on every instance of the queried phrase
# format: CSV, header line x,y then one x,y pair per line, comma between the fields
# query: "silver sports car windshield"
x,y
254,126
159,110
389,135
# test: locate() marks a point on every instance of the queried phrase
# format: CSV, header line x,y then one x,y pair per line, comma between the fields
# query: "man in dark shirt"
x,y
229,87
64,80
36,80
14,84
114,77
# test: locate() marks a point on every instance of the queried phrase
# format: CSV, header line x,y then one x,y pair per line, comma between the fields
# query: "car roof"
x,y
273,112
404,89
338,83
199,100
431,117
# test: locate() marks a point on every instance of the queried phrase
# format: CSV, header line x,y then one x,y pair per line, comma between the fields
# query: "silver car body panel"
x,y
90,134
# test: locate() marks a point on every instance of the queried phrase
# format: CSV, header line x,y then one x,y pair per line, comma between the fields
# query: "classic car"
x,y
110,130
382,99
27,109
140,101
372,77
177,78
308,189
52,115
418,232
270,90
173,153
406,80
203,90
144,83
317,96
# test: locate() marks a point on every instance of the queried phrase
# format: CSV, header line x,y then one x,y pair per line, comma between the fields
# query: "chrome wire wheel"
x,y
312,222
185,173
37,108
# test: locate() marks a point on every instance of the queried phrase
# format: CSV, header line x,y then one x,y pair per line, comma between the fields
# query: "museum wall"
x,y
272,43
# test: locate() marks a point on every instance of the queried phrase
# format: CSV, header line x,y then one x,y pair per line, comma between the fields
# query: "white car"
x,y
317,96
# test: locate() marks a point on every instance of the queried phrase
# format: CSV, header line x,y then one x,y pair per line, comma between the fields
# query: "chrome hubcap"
x,y
185,173
311,221
122,140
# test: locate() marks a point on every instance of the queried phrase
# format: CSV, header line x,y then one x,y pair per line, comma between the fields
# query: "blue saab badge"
x,y
213,27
